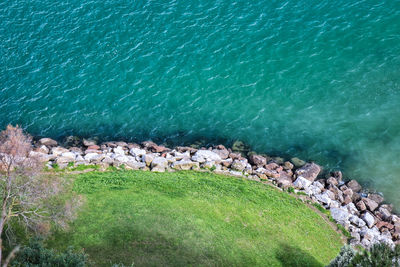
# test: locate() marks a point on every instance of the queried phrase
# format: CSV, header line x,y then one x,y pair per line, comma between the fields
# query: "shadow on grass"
x,y
294,256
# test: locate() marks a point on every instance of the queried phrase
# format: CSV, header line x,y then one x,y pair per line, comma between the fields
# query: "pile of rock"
x,y
364,215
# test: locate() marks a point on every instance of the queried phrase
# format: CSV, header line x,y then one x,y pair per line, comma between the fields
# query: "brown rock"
x,y
371,205
133,145
309,171
343,187
377,198
257,160
183,149
348,192
332,181
153,147
235,156
338,175
384,213
356,197
347,200
94,147
354,185
273,166
361,206
284,180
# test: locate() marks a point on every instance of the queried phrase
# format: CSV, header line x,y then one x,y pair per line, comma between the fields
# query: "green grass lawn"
x,y
192,218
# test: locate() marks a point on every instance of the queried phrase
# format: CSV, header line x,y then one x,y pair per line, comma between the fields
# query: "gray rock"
x,y
137,152
323,198
42,157
119,150
352,209
48,142
368,219
57,151
69,155
185,165
340,215
135,165
147,158
208,165
43,149
179,155
159,164
91,157
313,190
301,183
202,156
334,204
384,213
108,160
238,165
309,171
357,221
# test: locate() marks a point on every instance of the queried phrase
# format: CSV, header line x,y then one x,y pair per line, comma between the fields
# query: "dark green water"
x,y
314,79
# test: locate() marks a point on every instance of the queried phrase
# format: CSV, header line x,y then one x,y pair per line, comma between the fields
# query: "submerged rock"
x,y
297,162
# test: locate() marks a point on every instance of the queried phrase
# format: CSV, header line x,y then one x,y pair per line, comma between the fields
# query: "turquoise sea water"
x,y
314,79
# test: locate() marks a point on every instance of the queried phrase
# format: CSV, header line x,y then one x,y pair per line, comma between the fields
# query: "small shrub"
x,y
301,193
70,164
56,167
380,254
290,190
34,254
213,168
344,258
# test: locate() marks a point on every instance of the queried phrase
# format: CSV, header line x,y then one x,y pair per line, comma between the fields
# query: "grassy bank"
x,y
190,218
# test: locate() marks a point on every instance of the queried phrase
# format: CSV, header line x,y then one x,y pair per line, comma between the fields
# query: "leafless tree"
x,y
21,190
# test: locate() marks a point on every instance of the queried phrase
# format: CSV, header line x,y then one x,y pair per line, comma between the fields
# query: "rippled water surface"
x,y
315,79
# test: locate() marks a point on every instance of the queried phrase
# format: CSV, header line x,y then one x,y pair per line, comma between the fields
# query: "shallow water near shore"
x,y
317,80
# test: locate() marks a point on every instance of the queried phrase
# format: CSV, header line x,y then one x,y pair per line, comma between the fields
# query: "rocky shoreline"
x,y
365,215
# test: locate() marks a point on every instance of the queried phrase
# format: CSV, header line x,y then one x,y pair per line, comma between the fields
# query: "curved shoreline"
x,y
364,215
